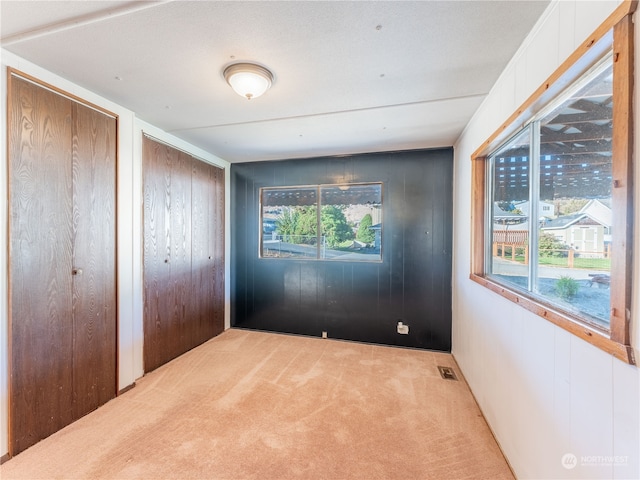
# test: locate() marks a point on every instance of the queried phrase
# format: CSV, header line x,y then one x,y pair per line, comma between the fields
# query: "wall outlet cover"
x,y
403,329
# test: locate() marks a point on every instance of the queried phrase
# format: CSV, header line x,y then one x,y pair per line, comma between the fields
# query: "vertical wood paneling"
x,y
183,252
353,300
94,230
591,370
61,209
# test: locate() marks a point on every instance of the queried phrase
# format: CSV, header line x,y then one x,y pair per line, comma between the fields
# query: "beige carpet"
x,y
253,405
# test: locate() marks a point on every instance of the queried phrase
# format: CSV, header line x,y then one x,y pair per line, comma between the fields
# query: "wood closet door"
x,y
40,258
62,356
207,250
201,277
94,259
183,252
158,288
180,238
168,323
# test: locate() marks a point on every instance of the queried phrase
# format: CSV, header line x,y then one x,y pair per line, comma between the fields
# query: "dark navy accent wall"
x,y
352,300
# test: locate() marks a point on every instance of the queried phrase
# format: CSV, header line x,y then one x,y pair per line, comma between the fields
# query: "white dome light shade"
x,y
248,79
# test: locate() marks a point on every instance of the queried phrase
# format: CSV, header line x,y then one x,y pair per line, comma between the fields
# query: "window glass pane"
x,y
289,222
509,195
574,207
351,222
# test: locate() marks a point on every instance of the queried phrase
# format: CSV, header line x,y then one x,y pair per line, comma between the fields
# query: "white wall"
x,y
544,392
130,305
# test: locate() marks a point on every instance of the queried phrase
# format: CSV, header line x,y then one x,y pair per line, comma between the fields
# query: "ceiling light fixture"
x,y
248,79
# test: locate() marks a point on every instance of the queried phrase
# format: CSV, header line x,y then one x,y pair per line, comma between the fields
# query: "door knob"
x,y
76,271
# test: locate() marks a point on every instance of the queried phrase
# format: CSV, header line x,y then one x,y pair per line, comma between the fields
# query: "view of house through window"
x,y
551,184
510,245
327,222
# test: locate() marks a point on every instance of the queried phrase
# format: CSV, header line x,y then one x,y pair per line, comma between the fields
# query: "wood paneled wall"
x,y
183,252
352,300
62,266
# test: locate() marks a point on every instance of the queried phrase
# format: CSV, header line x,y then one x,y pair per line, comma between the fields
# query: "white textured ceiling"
x,y
350,77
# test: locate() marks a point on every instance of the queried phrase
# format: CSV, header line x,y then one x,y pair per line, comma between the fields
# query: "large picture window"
x,y
553,198
551,230
322,222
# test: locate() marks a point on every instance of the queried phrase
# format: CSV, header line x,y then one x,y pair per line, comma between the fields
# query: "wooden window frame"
x,y
615,341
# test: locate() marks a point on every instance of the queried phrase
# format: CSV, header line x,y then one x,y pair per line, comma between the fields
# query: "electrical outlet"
x,y
324,334
403,329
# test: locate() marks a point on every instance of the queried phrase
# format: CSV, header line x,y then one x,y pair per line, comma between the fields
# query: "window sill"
x,y
571,324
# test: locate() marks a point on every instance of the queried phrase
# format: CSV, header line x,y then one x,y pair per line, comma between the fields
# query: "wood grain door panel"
x,y
94,262
158,288
200,263
40,263
181,319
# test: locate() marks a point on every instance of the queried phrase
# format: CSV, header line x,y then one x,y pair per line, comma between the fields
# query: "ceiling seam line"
x,y
339,112
79,21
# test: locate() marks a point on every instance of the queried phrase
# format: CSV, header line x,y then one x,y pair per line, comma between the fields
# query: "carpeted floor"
x,y
254,405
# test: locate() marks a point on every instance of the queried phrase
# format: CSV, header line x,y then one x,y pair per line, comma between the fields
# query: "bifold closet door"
x,y
61,261
168,329
94,260
159,329
201,278
180,256
183,253
40,146
208,250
